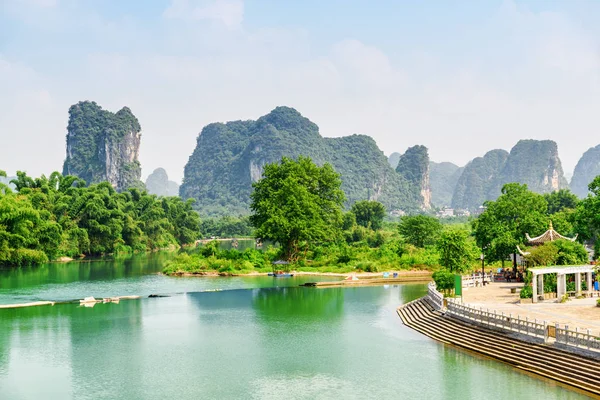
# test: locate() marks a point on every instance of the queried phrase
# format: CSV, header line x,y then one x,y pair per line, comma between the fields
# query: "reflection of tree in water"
x,y
411,292
295,302
86,270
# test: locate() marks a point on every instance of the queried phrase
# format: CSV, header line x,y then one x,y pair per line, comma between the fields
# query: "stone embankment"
x,y
570,369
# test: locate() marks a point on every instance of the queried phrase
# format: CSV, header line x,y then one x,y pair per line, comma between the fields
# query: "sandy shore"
x,y
426,275
580,313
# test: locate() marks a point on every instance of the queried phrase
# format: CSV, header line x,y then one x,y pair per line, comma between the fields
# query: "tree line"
x,y
49,217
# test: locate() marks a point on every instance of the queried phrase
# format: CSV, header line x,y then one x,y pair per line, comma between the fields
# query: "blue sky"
x,y
461,77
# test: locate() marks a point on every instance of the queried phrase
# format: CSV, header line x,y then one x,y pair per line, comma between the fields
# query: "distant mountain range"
x,y
230,156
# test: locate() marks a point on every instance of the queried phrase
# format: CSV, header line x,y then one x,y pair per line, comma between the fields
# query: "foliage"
x,y
503,225
229,157
570,253
444,280
226,227
420,230
297,203
369,214
455,251
56,216
95,142
526,292
546,254
561,200
587,215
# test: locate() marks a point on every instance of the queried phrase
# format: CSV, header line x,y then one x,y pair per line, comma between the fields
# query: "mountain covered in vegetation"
x,y
534,163
413,166
443,178
477,178
158,183
531,162
393,159
587,168
103,146
230,156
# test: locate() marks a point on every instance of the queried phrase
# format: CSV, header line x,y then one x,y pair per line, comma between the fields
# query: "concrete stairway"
x,y
570,369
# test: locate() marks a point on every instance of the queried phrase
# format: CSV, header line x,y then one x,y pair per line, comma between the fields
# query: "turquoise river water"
x,y
253,339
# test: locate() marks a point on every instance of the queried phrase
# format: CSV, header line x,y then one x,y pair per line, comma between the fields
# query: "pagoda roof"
x,y
549,236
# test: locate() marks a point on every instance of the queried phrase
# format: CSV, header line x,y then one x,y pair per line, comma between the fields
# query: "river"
x,y
254,339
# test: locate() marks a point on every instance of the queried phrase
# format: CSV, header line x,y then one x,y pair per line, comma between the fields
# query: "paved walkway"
x,y
581,313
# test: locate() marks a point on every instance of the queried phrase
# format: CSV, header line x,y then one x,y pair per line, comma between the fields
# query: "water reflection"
x,y
292,302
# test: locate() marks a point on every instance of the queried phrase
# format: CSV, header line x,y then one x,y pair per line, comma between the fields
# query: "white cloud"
x,y
228,12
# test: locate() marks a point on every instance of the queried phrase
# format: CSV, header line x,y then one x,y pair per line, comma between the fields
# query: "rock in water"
x,y
103,146
229,157
413,165
587,168
158,183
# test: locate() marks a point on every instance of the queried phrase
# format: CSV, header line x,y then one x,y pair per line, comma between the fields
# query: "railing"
x,y
576,338
475,280
531,328
489,318
436,298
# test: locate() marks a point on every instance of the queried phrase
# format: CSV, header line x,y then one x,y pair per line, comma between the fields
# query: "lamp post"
x,y
481,257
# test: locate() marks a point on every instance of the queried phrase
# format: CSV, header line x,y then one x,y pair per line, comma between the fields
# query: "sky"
x,y
460,77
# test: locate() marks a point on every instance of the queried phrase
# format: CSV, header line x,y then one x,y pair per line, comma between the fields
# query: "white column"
x,y
578,284
589,282
561,285
540,283
534,295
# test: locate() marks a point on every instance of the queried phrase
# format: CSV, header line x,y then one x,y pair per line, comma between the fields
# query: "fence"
x,y
532,328
435,297
491,319
577,339
475,280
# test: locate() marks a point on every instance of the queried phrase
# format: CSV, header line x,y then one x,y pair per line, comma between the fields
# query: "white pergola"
x,y
561,278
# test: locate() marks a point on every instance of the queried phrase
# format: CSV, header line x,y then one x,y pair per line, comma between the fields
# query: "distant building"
x,y
445,212
479,210
397,213
462,213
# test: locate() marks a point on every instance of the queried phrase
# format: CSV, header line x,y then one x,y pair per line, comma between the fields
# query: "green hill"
x,y
230,156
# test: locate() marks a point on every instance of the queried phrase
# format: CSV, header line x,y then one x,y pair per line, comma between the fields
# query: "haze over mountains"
x,y
229,157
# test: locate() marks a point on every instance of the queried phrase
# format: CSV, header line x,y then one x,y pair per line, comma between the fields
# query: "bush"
x,y
367,266
444,280
598,302
526,292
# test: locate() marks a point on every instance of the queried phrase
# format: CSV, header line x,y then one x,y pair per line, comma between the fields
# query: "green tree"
x,y
455,251
369,214
504,223
420,230
297,202
587,215
444,280
561,200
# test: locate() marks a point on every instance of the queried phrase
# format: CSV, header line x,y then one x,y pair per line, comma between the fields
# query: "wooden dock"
x,y
543,360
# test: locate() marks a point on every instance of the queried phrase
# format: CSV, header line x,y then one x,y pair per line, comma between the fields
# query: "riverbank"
x,y
569,369
411,275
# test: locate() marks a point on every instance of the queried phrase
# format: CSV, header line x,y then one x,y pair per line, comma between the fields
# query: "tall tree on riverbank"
x,y
504,223
420,230
369,214
297,202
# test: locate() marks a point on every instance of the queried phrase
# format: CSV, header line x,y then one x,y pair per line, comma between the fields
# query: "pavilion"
x,y
561,271
549,236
